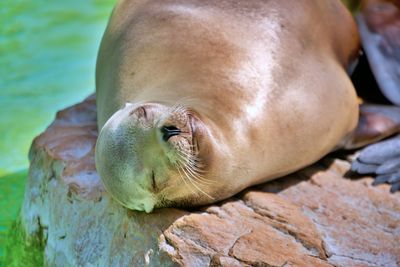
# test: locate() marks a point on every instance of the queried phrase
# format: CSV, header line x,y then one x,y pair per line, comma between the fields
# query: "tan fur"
x,y
266,78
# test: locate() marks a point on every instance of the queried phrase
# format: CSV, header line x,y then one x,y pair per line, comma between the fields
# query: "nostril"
x,y
169,131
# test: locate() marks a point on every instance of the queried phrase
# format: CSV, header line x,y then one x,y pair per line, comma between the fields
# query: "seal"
x,y
199,99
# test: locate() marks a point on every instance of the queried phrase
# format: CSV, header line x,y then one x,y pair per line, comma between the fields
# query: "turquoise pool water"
x,y
47,62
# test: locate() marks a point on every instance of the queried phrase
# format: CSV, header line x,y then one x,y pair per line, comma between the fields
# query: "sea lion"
x,y
199,99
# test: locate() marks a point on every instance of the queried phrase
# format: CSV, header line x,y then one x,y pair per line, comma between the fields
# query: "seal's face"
x,y
150,156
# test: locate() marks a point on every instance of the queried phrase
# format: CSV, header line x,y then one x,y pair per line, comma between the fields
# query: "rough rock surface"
x,y
314,217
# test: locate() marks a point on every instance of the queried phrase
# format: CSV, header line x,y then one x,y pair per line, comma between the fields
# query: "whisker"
x,y
196,164
191,159
199,178
192,169
184,177
185,153
184,180
196,176
195,185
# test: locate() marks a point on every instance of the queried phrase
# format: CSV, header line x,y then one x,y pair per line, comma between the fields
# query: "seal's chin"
x,y
130,190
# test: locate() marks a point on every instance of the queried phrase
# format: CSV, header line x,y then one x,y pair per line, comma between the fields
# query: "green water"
x,y
47,60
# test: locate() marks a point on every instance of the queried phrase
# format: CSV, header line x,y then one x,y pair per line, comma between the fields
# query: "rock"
x,y
314,217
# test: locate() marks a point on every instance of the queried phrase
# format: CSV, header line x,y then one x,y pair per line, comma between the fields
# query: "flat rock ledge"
x,y
314,217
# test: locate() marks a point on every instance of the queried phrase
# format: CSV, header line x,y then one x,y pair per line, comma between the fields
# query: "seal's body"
x,y
221,95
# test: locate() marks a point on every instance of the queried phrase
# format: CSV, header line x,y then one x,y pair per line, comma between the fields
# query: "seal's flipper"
x,y
383,160
379,26
376,122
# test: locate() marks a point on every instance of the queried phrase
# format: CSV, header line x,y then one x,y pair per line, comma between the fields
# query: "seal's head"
x,y
151,155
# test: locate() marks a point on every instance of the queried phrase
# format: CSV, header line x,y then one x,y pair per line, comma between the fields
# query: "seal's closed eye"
x,y
169,131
